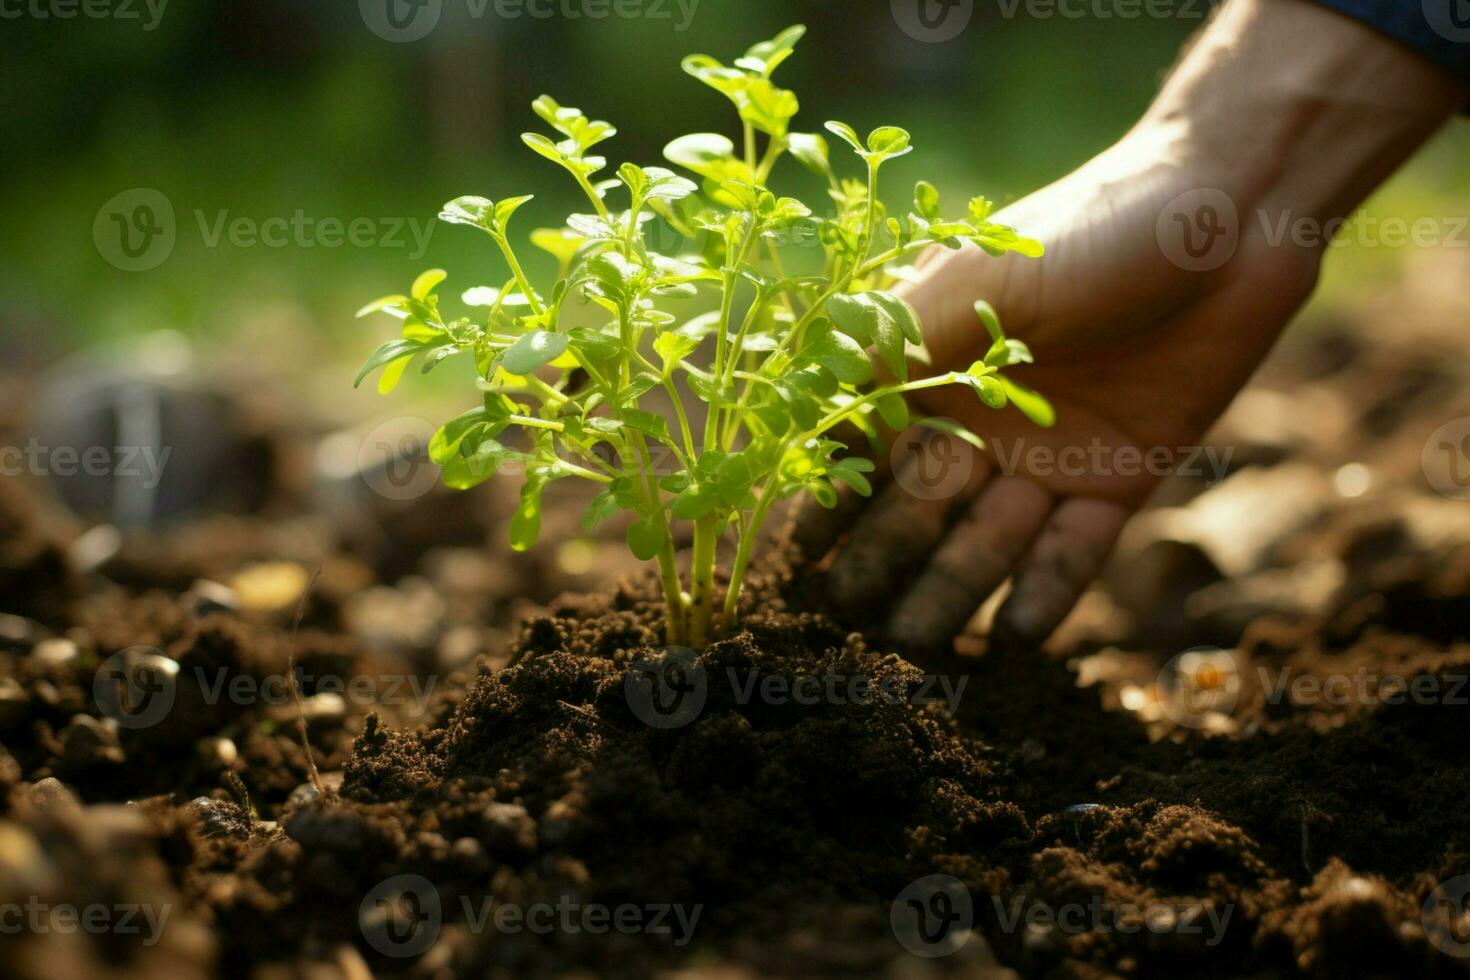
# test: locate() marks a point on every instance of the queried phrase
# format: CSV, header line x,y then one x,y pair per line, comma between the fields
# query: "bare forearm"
x,y
1295,106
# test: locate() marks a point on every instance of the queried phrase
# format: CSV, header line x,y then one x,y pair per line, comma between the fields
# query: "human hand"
x,y
1141,335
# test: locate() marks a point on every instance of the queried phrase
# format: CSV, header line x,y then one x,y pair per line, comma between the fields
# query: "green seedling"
x,y
594,376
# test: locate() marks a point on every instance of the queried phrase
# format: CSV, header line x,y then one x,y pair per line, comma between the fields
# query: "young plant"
x,y
595,377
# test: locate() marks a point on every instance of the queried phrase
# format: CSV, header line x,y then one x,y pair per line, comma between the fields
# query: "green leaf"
x,y
672,348
849,475
603,506
811,150
533,350
525,523
847,134
840,354
477,212
950,426
646,422
697,500
894,411
990,318
990,390
887,142
646,538
445,443
880,320
386,354
1032,404
763,58
926,200
562,243
427,282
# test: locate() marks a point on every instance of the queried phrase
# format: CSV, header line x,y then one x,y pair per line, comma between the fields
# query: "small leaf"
x,y
389,352
424,285
950,426
852,478
672,348
887,142
990,318
894,411
1032,404
525,523
847,134
842,355
811,150
646,538
533,350
926,200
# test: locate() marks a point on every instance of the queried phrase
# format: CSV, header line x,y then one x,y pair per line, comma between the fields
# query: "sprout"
x,y
787,358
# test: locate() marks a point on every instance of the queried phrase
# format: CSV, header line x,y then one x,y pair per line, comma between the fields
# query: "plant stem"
x,y
742,555
702,576
520,275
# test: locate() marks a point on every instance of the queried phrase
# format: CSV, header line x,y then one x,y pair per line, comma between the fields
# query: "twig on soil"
x,y
311,769
242,795
587,713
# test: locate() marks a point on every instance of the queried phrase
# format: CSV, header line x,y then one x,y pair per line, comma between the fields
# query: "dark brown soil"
x,y
777,831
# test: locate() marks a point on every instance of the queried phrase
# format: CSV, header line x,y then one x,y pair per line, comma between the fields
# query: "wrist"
x,y
1287,105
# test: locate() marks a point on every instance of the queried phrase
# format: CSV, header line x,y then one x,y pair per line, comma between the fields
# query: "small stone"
x,y
218,818
51,794
325,707
86,740
269,586
94,548
56,652
205,598
218,751
510,829
19,634
15,704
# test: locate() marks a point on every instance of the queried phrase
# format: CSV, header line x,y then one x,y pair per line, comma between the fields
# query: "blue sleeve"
x,y
1437,29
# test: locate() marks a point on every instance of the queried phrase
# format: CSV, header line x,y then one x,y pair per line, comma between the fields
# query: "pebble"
x,y
56,652
269,586
94,548
218,751
86,740
18,633
206,597
510,828
15,704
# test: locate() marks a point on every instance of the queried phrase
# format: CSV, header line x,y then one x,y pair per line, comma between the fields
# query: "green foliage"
x,y
591,377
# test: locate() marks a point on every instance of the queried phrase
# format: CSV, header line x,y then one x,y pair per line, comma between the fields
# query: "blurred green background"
x,y
262,109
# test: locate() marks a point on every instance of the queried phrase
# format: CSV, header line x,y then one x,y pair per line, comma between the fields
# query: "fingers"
x,y
973,561
816,528
1067,555
899,530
